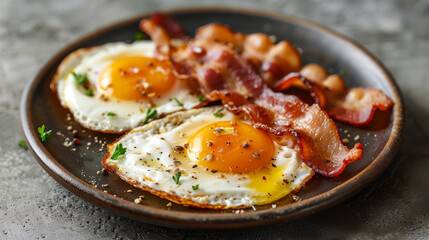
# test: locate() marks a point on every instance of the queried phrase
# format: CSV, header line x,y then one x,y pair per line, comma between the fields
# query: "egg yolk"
x,y
230,147
135,78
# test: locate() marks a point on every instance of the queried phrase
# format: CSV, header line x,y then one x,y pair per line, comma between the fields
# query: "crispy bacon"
x,y
245,92
355,106
171,27
155,31
225,75
317,91
274,61
358,105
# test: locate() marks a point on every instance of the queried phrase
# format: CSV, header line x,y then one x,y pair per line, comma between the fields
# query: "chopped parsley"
x,y
119,150
80,78
178,102
44,136
111,114
138,36
195,188
201,98
89,92
151,113
218,113
176,177
342,73
22,144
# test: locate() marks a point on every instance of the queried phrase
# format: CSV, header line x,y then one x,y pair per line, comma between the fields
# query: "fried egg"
x,y
111,87
208,158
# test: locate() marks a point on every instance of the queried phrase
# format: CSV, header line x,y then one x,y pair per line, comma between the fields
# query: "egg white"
x,y
151,161
91,112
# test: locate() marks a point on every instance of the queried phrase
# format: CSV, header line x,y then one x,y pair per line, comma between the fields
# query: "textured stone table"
x,y
34,206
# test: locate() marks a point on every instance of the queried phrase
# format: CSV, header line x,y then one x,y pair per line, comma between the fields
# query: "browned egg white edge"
x,y
171,197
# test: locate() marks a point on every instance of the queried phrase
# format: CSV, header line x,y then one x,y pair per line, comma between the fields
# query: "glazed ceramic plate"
x,y
76,167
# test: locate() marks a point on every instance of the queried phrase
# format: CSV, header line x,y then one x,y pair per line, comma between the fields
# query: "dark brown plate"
x,y
76,170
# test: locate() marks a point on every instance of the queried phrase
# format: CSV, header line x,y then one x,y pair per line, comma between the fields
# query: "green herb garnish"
x,y
111,114
138,36
80,78
342,73
44,136
201,98
218,113
22,144
176,177
195,188
151,113
119,150
89,92
178,102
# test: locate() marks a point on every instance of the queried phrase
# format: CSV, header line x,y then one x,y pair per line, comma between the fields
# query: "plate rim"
x,y
219,220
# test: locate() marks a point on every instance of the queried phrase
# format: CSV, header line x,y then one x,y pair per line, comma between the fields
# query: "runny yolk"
x,y
230,147
135,78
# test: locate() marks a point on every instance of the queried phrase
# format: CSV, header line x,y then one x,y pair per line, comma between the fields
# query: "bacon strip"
x,y
271,61
168,25
355,106
155,31
318,137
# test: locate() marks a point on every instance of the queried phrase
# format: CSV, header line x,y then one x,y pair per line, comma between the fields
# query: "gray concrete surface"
x,y
396,206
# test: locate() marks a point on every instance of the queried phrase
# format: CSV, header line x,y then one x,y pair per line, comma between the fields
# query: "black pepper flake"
x,y
246,145
214,171
178,148
177,162
264,178
186,145
286,181
228,143
256,155
104,171
272,164
150,64
209,144
75,133
195,166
